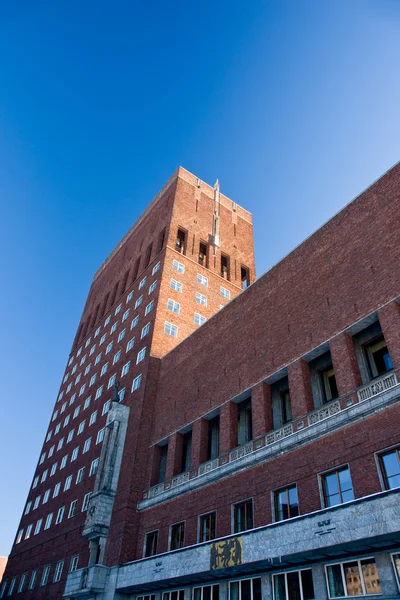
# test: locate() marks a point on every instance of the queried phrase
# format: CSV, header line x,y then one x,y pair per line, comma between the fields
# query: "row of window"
x,y
32,580
177,286
175,307
336,486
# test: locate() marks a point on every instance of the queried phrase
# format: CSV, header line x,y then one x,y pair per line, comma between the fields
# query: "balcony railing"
x,y
84,582
377,386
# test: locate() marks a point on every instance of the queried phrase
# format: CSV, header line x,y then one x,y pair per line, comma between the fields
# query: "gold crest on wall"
x,y
226,553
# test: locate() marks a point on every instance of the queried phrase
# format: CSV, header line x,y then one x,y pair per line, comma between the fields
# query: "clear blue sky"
x,y
293,104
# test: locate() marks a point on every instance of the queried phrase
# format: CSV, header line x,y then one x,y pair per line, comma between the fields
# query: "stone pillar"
x,y
223,590
319,581
386,575
228,427
300,388
174,456
93,550
345,364
199,443
261,409
266,587
187,593
389,319
154,462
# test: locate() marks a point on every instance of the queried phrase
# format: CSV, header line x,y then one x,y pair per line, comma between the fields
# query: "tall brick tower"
x,y
188,255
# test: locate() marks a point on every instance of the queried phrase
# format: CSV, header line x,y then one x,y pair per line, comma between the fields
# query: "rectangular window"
x,y
337,487
149,308
353,578
22,582
199,319
175,285
73,565
390,467
114,327
186,452
81,427
28,507
136,382
87,369
93,467
46,496
86,500
82,390
245,423
129,297
247,589
135,321
141,355
74,455
142,283
145,330
207,527
285,406
38,526
98,359
99,392
72,509
68,482
56,490
177,536
19,536
49,519
36,503
378,357
60,514
86,446
130,344
87,402
178,266
33,579
100,436
180,244
121,335
80,474
203,254
121,395
243,516
152,287
92,350
125,315
286,503
109,347
93,417
45,575
170,329
35,481
244,277
206,592
138,301
213,438
174,306
202,279
150,544
106,407
396,566
162,465
293,584
225,264
111,381
63,461
125,368
224,292
28,532
201,299
12,586
103,338
175,595
156,268
58,571
329,387
116,357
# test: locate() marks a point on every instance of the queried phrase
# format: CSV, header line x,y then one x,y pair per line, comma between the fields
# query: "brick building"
x,y
258,457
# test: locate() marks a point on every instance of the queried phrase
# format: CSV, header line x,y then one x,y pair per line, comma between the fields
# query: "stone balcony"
x,y
83,583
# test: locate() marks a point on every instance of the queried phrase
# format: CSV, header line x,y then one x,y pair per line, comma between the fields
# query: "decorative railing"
x,y
324,412
240,451
377,386
278,434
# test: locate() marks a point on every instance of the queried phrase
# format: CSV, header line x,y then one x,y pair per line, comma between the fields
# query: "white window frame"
x,y
178,266
170,329
141,355
175,285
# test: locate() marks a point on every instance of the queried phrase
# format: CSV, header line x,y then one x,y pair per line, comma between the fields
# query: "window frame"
x,y
234,506
343,562
183,522
321,482
199,526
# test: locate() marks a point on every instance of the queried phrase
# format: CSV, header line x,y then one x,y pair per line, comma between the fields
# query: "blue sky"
x,y
293,105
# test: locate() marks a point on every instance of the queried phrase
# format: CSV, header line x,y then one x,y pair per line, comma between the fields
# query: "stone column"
x,y
266,587
345,364
174,456
319,581
300,388
261,409
389,319
199,443
386,575
228,427
223,590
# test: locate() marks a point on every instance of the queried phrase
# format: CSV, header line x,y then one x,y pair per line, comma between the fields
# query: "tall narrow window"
x,y
203,254
207,527
186,452
329,386
163,463
286,409
148,255
242,516
225,270
177,538
213,438
244,277
337,487
180,244
390,466
245,426
150,545
378,357
286,503
161,240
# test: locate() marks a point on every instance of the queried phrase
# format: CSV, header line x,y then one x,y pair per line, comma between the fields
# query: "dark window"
x,y
244,277
150,548
390,462
163,463
245,426
148,255
213,438
329,386
225,270
243,516
286,503
337,487
186,451
206,592
177,536
180,245
246,589
203,254
294,585
286,409
378,357
207,527
175,595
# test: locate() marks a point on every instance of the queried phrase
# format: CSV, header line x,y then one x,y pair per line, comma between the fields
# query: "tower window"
x,y
244,277
225,270
180,245
203,254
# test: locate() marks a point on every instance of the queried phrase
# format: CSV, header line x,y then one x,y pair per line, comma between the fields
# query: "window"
x,y
58,571
35,481
60,514
72,399
96,333
109,347
177,536
86,499
28,532
353,578
293,584
118,309
199,319
88,342
74,455
83,359
138,301
286,503
100,436
86,445
98,359
46,496
136,382
145,330
175,595
178,266
125,368
156,268
121,394
36,503
45,575
125,315
121,335
142,283
135,321
64,406
242,516
49,519
141,355
68,482
378,357
162,465
22,582
3,587
111,381
43,456
93,467
285,406
64,461
224,292
19,536
74,369
246,589
93,417
60,444
225,264
87,369
81,427
82,390
207,527
149,308
56,490
92,380
99,392
106,407
70,435
50,433
170,329
390,467
150,544
174,306
202,279
44,475
55,415
114,327
12,586
129,297
72,509
28,507
203,254
180,244
103,338
87,402
175,285
396,566
106,322
76,412
130,344
57,429
80,474
244,277
337,487
79,352
38,526
73,565
69,388
201,299
32,581
206,592
329,386
245,425
92,349
116,357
